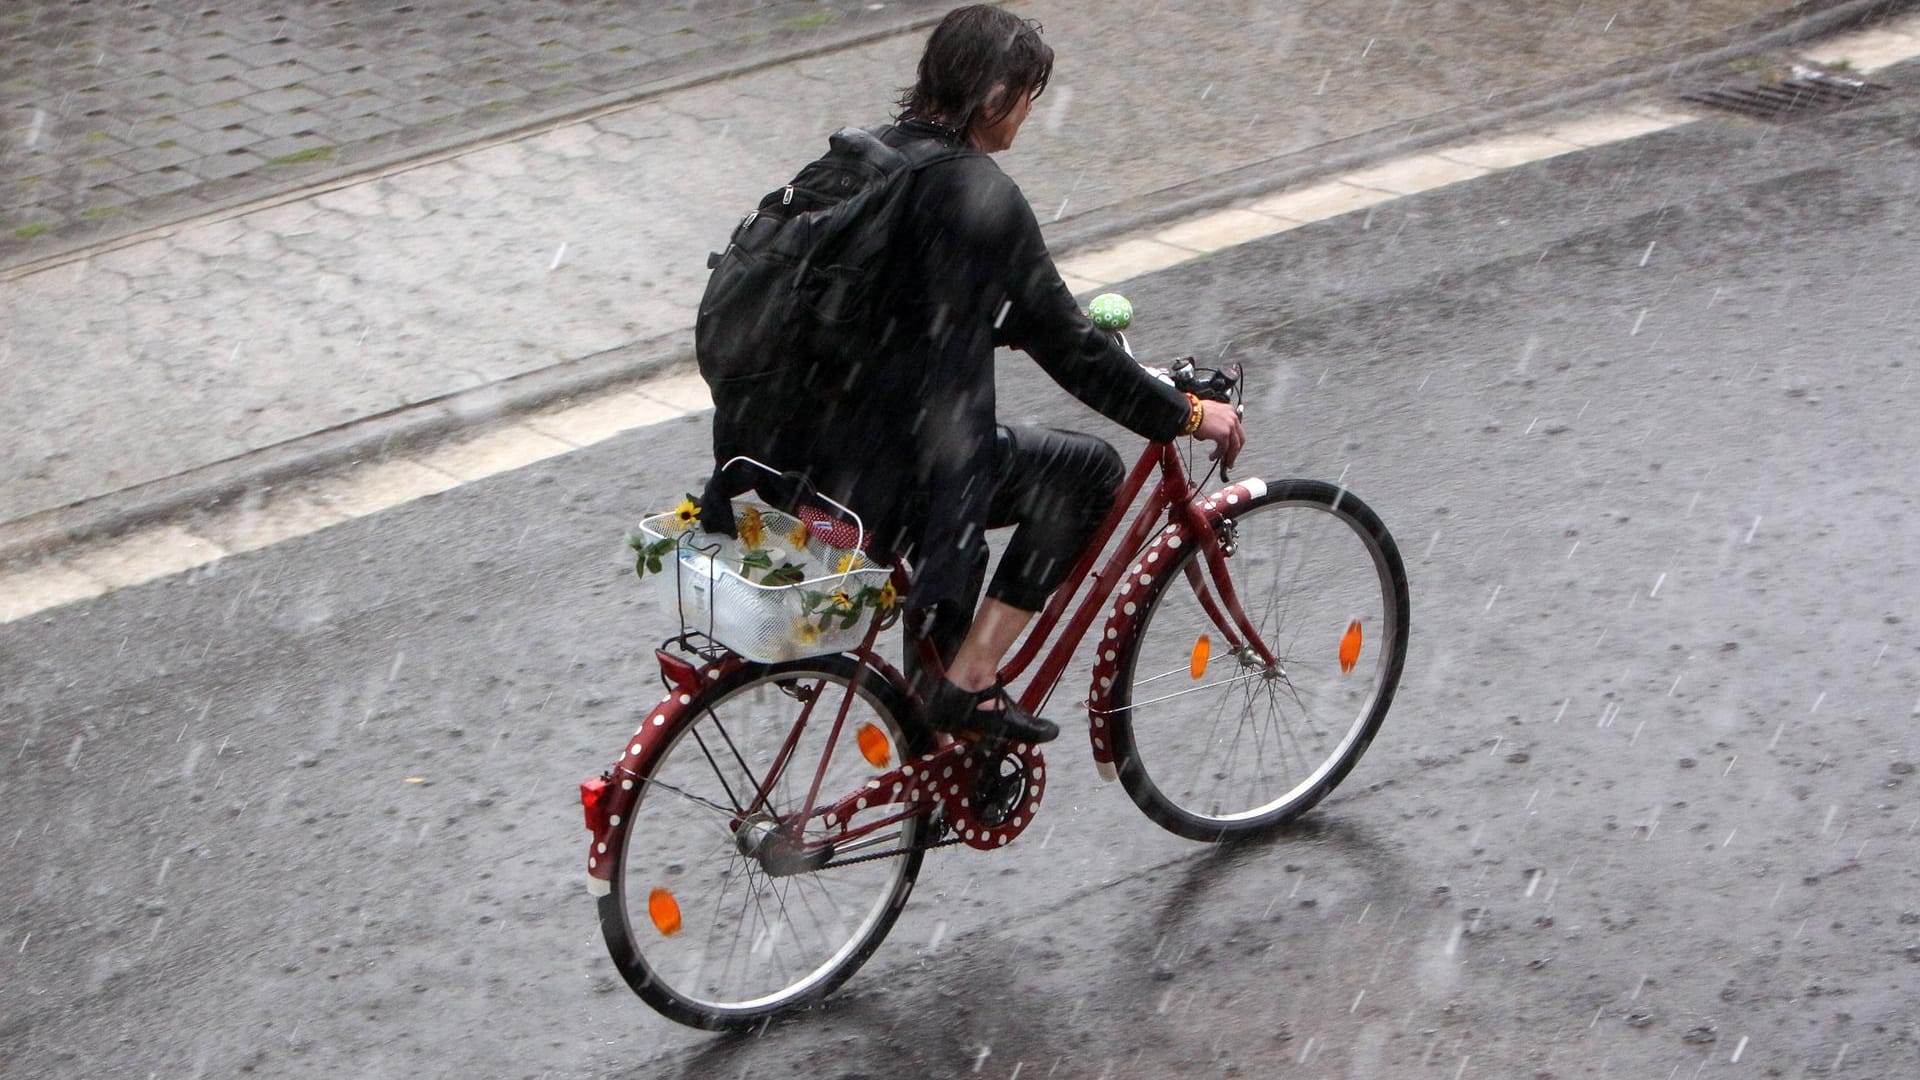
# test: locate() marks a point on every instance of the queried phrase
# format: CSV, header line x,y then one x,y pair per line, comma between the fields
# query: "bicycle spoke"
x,y
718,773
1259,744
763,931
839,922
1235,680
745,875
705,804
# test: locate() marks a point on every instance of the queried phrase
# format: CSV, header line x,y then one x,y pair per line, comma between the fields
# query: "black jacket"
x,y
908,442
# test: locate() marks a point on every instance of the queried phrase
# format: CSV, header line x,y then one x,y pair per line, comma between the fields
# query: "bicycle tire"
x,y
665,845
1170,766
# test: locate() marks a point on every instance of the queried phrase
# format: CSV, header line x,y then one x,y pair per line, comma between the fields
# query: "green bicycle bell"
x,y
1111,311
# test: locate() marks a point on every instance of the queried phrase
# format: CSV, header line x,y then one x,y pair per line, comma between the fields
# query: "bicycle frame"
x,y
1174,511
1173,500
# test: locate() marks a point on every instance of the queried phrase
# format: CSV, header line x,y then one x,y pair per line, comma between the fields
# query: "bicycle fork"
x,y
1194,523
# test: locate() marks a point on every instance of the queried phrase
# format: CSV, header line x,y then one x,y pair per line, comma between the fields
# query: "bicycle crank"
x,y
995,791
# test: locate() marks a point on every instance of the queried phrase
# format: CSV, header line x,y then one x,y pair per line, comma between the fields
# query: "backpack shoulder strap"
x,y
920,153
913,155
866,146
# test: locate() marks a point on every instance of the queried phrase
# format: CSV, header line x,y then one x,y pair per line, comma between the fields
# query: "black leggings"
x,y
1054,487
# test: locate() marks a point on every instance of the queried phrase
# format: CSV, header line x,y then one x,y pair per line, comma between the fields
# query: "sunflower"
x,y
887,597
798,536
752,529
687,512
806,632
841,600
849,562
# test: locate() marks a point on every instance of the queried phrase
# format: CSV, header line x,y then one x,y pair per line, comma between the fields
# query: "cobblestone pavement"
x,y
234,335
121,114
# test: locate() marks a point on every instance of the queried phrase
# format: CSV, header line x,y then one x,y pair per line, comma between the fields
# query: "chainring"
x,y
999,791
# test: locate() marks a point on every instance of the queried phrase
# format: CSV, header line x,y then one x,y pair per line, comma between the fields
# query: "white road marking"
x,y
1221,229
39,586
1412,175
1507,151
1125,260
1870,50
497,451
156,552
1320,201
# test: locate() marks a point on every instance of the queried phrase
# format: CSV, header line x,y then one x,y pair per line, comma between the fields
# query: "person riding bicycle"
x,y
917,450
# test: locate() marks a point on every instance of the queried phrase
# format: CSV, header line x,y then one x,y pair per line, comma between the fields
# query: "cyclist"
x,y
917,450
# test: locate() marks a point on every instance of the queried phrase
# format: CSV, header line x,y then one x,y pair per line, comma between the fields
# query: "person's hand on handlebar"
x,y
1220,425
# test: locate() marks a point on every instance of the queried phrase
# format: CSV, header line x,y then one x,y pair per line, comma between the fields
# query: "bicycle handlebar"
x,y
1114,313
1207,384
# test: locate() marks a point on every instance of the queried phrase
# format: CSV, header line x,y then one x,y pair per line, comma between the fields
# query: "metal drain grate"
x,y
1805,90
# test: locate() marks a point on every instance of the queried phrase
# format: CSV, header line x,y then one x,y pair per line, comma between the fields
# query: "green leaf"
x,y
637,540
653,564
786,574
757,559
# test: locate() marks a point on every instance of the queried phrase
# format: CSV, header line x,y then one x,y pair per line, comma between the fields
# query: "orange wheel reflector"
x,y
665,912
1350,647
873,746
1202,652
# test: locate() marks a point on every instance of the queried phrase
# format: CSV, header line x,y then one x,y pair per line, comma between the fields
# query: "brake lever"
x,y
1233,377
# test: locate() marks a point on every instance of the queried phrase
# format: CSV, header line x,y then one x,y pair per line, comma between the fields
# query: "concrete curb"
x,y
367,439
374,437
402,159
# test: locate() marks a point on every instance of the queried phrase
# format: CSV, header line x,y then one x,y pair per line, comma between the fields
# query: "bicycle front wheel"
x,y
1211,741
723,913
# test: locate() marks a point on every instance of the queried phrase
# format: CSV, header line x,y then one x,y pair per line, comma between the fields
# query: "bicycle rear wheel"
x,y
717,916
1212,742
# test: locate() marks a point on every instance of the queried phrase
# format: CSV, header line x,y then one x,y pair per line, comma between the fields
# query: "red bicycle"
x,y
763,828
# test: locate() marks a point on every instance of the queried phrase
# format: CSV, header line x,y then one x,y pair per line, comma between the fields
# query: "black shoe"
x,y
957,712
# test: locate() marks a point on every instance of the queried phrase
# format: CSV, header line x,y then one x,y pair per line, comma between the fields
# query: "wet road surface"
x,y
1640,418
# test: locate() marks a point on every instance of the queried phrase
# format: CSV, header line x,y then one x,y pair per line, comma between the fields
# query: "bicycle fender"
x,y
633,764
1124,621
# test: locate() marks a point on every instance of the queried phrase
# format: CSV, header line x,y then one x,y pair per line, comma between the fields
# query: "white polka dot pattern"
x,y
973,826
1123,622
633,764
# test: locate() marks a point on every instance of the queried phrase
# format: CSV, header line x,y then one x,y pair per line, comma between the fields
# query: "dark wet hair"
x,y
973,50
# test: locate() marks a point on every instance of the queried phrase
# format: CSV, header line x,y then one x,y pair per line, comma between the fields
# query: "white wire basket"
x,y
712,593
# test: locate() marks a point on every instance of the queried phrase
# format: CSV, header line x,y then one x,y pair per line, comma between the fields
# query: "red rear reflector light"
x,y
677,670
592,794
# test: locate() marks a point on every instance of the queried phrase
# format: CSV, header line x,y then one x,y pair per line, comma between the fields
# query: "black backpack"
x,y
792,305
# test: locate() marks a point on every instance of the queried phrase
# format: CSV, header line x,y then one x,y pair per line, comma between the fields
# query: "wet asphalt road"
x,y
1642,421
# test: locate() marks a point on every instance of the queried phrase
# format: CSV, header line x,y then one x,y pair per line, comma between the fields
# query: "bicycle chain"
x,y
851,860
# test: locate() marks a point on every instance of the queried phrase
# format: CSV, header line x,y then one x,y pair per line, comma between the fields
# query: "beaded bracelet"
x,y
1195,416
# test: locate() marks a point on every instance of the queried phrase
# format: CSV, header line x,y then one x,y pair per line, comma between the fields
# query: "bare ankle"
x,y
971,678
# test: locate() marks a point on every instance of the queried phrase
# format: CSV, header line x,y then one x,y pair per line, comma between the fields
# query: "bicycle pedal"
x,y
978,742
